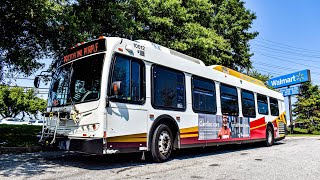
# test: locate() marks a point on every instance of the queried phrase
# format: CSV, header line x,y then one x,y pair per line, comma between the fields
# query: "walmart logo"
x,y
299,76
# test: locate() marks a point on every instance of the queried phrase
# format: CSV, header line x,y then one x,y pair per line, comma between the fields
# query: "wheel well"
x,y
171,123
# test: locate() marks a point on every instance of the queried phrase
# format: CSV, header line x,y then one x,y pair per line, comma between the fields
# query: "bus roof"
x,y
238,75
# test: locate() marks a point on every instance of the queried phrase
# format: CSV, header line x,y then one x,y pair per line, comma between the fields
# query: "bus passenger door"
x,y
126,115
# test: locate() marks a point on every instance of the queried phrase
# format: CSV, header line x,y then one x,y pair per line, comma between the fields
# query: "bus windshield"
x,y
76,82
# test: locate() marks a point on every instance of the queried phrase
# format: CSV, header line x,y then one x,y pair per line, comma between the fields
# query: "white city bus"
x,y
114,95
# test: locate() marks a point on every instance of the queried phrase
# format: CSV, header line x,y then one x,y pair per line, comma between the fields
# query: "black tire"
x,y
269,136
162,143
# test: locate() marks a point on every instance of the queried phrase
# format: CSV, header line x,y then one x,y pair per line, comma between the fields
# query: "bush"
x,y
19,135
305,131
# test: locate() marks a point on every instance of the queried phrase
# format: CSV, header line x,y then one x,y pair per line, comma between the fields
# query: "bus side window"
x,y
248,103
262,104
168,89
274,107
203,96
229,100
130,72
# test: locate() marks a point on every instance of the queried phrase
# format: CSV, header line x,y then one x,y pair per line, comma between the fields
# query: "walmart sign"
x,y
290,79
290,91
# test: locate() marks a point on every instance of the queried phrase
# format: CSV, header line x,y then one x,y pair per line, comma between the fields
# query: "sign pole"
x,y
290,114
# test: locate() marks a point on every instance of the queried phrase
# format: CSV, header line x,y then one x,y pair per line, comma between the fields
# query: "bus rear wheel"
x,y
162,142
269,136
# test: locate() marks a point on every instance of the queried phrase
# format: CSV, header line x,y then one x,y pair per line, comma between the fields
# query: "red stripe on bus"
x,y
257,122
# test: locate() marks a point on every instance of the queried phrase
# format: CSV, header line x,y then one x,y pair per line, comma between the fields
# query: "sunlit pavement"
x,y
292,158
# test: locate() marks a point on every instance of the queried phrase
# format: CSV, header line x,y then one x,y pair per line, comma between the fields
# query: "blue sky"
x,y
288,38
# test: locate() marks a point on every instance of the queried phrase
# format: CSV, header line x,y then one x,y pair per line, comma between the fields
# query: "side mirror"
x,y
36,82
116,87
115,90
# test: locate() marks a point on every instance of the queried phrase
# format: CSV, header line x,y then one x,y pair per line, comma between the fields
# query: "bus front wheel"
x,y
270,137
162,142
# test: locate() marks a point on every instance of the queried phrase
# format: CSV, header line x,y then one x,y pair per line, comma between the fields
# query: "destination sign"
x,y
86,49
290,79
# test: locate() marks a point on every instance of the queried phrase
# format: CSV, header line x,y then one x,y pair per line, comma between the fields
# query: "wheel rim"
x,y
269,136
164,143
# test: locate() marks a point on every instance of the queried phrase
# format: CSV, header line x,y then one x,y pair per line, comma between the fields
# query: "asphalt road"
x,y
292,158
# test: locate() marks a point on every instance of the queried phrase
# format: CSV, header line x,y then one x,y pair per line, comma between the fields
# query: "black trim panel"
x,y
92,146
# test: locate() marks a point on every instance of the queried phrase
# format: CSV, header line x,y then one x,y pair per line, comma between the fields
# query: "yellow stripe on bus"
x,y
257,127
188,130
188,135
129,138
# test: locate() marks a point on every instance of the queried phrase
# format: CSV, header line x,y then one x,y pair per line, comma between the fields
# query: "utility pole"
x,y
290,114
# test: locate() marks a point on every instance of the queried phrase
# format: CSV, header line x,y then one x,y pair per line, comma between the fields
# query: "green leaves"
x,y
307,107
14,101
215,31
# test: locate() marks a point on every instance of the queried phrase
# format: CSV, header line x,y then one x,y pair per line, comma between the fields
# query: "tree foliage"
x,y
14,100
26,30
215,31
307,107
262,77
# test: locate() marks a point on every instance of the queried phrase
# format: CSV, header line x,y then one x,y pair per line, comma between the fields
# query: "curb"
x,y
6,150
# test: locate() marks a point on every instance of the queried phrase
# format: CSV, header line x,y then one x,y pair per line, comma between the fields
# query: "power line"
x,y
290,61
282,68
299,59
286,52
281,44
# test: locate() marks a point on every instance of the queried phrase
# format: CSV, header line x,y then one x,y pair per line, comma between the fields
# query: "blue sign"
x,y
290,79
290,91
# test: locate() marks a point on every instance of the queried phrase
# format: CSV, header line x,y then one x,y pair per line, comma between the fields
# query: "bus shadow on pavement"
x,y
215,150
29,164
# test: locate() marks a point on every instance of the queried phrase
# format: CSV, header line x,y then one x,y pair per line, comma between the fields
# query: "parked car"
x,y
36,122
15,121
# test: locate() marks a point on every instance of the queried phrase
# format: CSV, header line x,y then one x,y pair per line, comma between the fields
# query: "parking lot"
x,y
292,158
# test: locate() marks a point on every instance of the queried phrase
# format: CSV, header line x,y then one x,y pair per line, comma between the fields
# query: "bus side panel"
x,y
189,137
258,128
126,127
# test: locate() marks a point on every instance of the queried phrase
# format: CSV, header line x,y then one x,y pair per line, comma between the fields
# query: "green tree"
x,y
256,74
307,107
13,101
232,21
215,31
26,30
